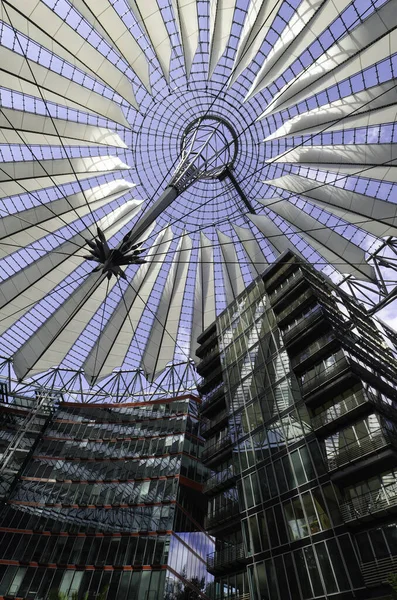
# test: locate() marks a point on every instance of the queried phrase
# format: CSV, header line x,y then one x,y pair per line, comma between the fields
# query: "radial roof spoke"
x,y
232,275
371,214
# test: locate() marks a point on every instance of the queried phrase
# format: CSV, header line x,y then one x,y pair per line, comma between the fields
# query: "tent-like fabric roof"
x,y
103,105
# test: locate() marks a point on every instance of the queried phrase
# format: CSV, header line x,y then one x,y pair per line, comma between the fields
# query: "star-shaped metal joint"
x,y
112,259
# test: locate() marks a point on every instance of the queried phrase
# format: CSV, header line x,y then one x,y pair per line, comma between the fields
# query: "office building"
x,y
299,409
107,503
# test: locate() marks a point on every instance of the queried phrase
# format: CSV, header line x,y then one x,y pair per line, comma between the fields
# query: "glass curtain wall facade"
x,y
299,413
108,505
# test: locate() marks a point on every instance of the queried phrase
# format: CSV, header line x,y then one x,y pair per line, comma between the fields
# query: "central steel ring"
x,y
210,144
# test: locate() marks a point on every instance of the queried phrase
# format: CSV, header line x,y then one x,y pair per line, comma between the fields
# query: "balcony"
x,y
207,345
212,401
348,409
207,333
280,274
377,572
210,359
219,481
377,503
295,307
214,451
366,454
210,380
315,351
209,426
310,383
224,560
281,294
301,328
227,513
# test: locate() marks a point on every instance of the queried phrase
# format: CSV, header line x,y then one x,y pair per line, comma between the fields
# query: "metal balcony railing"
x,y
209,379
213,449
211,341
338,410
208,424
369,503
226,557
219,480
306,321
378,571
379,439
279,275
313,349
335,413
207,359
215,394
230,511
310,383
281,316
290,283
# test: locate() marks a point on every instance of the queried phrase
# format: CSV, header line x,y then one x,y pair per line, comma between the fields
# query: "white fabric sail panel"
x,y
82,7
29,169
378,217
64,41
149,17
16,13
186,18
347,154
370,42
11,137
48,346
37,215
120,36
35,186
376,228
340,172
278,241
257,260
232,275
204,308
221,21
161,344
43,130
344,113
260,16
34,282
337,250
32,225
111,347
372,118
311,18
25,76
